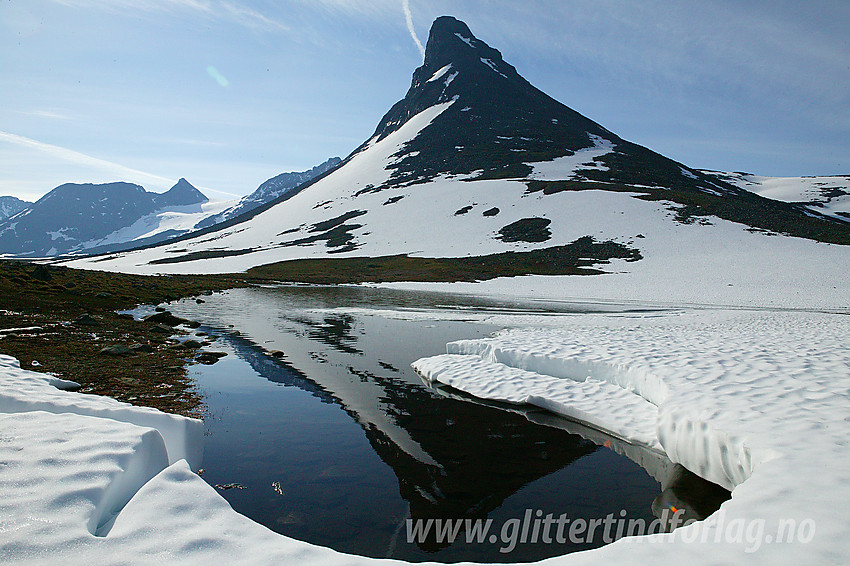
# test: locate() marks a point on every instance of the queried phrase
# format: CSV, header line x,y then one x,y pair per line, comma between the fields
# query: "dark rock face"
x,y
498,120
181,194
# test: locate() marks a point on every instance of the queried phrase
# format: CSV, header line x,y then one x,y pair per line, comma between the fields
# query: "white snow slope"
x,y
827,195
719,263
176,218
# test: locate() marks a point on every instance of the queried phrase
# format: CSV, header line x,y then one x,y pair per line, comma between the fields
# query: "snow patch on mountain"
x,y
60,234
492,65
570,166
450,78
828,195
442,71
272,189
464,39
173,220
10,206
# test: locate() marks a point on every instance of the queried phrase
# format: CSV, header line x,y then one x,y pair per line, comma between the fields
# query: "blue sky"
x,y
228,93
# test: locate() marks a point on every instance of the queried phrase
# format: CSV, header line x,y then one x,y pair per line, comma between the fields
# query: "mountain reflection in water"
x,y
310,475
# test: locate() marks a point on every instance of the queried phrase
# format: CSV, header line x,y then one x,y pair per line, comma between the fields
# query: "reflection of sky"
x,y
229,94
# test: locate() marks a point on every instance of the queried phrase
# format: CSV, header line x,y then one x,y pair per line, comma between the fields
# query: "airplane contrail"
x,y
110,169
78,158
408,17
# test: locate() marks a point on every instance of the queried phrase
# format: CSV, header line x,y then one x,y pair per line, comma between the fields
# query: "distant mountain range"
x,y
475,161
269,191
99,218
75,216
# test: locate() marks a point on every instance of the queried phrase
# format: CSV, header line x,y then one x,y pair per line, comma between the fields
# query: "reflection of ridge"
x,y
681,489
279,371
481,455
453,459
271,368
335,330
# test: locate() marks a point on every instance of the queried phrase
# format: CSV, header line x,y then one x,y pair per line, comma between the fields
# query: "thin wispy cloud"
x,y
252,18
374,9
47,114
78,158
227,11
408,18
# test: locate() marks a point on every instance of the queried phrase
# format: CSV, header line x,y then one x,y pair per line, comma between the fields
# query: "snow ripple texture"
x,y
756,402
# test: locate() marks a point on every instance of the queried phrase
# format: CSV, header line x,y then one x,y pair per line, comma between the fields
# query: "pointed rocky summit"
x,y
182,193
499,122
475,161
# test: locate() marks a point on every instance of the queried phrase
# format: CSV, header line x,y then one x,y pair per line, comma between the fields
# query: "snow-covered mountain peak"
x,y
499,121
476,161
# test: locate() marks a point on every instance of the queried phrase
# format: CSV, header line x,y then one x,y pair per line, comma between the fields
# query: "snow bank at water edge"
x,y
26,391
756,402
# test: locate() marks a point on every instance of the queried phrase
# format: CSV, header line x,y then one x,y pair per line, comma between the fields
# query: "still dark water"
x,y
339,442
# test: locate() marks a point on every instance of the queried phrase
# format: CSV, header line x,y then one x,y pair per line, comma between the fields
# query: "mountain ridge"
x,y
75,213
270,190
155,217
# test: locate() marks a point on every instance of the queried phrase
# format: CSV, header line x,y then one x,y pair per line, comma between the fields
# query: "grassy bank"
x,y
60,320
44,303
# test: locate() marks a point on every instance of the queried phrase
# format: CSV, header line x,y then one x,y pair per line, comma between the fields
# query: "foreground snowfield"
x,y
755,401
